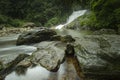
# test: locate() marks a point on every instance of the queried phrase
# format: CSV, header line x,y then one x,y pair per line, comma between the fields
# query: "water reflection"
x,y
66,72
31,74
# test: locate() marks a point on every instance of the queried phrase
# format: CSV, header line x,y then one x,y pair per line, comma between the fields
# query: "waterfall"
x,y
71,18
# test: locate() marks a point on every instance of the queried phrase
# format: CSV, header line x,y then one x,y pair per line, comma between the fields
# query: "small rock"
x,y
29,24
56,38
1,27
67,38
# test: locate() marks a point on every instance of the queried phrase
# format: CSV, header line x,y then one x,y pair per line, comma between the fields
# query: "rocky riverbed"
x,y
95,57
11,30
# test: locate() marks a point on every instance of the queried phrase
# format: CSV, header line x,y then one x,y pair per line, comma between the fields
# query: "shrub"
x,y
16,23
3,19
106,11
52,22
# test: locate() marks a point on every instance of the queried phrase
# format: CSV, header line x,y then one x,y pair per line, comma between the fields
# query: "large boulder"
x,y
49,55
35,36
99,56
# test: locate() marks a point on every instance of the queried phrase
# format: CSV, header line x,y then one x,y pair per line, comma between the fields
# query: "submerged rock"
x,y
99,56
36,36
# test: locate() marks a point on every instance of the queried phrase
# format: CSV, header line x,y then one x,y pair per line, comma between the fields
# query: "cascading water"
x,y
71,18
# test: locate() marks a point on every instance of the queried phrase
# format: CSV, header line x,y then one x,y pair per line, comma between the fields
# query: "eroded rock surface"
x,y
50,55
9,67
99,56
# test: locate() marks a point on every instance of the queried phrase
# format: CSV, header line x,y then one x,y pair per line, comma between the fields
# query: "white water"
x,y
71,18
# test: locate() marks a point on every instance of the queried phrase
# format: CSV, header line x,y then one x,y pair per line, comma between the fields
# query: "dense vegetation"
x,y
42,12
103,13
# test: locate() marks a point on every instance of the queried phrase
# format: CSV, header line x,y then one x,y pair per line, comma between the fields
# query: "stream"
x,y
67,70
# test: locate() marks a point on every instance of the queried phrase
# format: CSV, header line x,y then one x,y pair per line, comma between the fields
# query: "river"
x,y
9,50
67,70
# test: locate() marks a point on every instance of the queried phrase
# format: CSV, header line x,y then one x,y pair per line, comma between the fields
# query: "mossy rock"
x,y
56,38
67,38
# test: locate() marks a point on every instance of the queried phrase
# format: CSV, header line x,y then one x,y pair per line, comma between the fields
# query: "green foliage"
x,y
52,22
38,11
7,21
117,17
106,12
89,20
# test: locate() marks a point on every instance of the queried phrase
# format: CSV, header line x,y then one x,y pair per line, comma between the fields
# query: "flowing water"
x,y
67,70
72,17
8,46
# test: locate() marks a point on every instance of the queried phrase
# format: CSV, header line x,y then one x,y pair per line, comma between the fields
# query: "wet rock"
x,y
29,24
69,49
119,31
1,66
22,67
1,27
35,36
25,63
56,38
67,38
105,31
99,56
1,78
21,70
48,55
11,65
